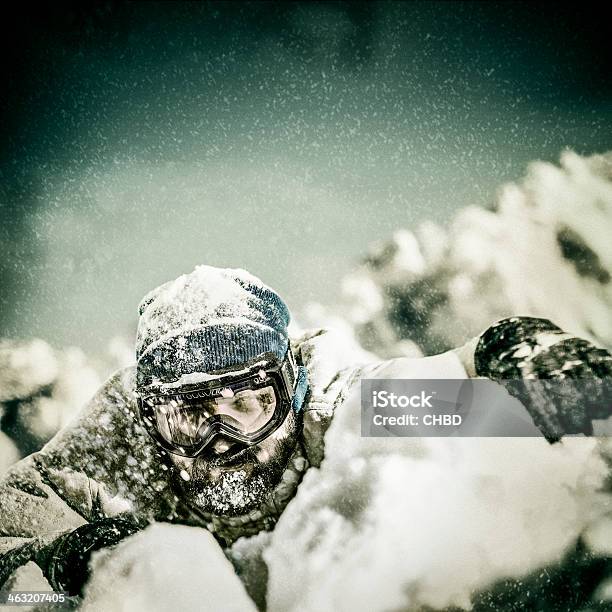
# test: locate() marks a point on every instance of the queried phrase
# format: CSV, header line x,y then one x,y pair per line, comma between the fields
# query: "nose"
x,y
220,445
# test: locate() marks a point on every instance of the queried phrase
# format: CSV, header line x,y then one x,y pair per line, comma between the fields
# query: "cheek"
x,y
267,448
182,463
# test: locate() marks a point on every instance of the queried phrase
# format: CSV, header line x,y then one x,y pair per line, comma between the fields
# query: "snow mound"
x,y
390,523
165,567
544,251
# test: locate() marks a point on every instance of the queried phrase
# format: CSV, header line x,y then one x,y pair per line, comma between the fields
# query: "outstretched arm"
x,y
526,349
53,508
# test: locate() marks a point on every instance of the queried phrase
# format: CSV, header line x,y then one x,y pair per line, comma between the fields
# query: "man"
x,y
222,415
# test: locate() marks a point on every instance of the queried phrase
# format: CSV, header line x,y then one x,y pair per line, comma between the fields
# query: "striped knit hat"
x,y
210,319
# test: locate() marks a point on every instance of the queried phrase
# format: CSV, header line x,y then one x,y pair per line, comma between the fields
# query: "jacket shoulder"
x,y
326,352
333,363
107,443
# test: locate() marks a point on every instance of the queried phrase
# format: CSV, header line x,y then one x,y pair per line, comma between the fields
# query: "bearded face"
x,y
229,479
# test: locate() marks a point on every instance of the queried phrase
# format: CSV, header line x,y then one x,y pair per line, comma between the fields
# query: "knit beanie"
x,y
210,319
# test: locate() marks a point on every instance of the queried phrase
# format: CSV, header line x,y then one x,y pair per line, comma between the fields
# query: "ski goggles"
x,y
246,405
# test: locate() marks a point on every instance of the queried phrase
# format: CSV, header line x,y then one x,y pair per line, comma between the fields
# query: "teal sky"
x,y
282,139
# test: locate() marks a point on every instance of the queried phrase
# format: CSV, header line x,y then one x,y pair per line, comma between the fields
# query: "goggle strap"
x,y
289,372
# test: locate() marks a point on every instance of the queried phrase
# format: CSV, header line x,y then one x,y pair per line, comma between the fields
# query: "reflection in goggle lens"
x,y
179,419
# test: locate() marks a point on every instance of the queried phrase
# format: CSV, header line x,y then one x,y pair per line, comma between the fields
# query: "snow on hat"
x,y
207,320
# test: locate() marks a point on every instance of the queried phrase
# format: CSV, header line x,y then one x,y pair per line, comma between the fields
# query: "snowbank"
x,y
389,524
165,567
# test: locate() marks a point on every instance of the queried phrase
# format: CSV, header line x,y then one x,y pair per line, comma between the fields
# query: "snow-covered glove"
x,y
564,382
65,563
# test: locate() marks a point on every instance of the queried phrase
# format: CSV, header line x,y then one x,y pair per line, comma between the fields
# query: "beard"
x,y
239,483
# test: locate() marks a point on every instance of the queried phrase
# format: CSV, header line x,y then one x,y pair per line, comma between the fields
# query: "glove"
x,y
65,563
564,382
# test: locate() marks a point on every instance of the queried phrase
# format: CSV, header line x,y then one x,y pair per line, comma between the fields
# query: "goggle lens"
x,y
179,420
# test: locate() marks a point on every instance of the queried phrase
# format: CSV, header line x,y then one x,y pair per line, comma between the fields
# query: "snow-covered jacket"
x,y
105,464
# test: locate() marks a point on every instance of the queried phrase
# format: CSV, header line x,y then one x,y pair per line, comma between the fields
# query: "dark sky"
x,y
139,139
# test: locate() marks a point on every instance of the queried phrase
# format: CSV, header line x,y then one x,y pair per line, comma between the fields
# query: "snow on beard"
x,y
240,489
233,493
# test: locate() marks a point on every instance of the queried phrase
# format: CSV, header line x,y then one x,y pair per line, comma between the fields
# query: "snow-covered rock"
x,y
41,389
543,250
29,577
25,368
165,567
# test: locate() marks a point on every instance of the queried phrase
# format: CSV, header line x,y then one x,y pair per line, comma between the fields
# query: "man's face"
x,y
229,479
